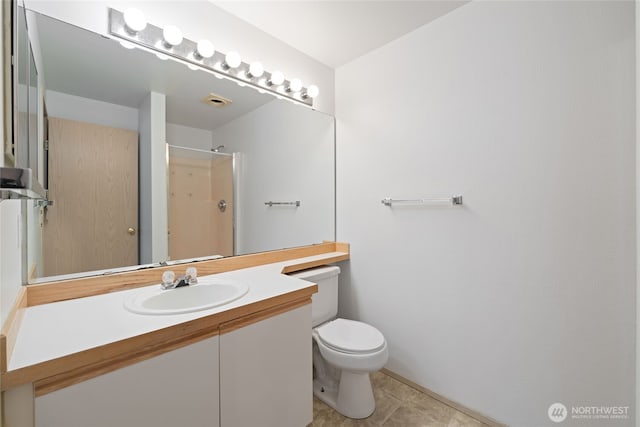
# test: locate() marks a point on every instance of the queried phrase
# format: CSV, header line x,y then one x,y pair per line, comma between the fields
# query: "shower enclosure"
x,y
201,203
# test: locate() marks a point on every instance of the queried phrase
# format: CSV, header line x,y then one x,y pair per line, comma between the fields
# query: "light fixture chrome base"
x,y
151,38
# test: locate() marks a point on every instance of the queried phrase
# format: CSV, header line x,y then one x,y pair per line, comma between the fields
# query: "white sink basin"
x,y
211,292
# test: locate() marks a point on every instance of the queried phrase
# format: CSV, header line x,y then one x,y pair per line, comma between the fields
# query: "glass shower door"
x,y
201,203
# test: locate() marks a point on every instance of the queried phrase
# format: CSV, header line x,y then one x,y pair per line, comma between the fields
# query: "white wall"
x,y
10,254
153,215
34,224
186,136
201,19
71,107
266,173
526,295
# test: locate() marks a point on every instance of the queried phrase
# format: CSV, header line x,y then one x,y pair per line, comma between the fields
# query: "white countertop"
x,y
54,330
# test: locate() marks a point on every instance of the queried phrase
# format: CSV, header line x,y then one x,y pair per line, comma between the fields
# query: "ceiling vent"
x,y
216,100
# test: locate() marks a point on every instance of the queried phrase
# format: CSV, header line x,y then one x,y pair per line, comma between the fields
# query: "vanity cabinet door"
x,y
178,388
266,372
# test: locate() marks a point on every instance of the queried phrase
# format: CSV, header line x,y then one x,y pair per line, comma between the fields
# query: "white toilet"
x,y
345,351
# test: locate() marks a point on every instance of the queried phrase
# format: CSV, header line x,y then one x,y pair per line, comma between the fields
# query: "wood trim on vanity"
x,y
342,247
96,285
130,355
9,332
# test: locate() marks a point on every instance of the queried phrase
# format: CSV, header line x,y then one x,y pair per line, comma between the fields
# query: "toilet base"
x,y
353,398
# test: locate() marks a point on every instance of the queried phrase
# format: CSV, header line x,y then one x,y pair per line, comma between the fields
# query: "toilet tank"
x,y
324,304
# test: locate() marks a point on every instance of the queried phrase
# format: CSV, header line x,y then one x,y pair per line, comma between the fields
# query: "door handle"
x,y
131,231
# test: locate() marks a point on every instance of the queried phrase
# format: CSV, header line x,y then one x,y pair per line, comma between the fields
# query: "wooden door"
x,y
93,182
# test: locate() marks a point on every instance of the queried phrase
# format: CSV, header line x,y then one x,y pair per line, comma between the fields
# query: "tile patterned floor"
x,y
397,405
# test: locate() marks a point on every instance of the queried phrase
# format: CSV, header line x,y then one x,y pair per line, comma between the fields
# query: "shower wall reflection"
x,y
201,203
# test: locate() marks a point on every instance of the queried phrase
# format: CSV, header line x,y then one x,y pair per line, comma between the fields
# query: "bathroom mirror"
x,y
281,152
22,149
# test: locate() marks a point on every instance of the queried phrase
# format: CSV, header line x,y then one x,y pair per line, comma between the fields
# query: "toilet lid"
x,y
351,336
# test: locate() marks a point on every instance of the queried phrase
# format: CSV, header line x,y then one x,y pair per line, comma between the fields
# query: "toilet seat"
x,y
350,336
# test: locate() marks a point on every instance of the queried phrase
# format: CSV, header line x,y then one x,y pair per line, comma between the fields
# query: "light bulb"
x,y
205,49
313,91
277,78
232,59
256,70
134,20
172,35
295,85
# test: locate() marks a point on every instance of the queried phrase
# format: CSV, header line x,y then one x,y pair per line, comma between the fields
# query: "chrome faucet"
x,y
169,280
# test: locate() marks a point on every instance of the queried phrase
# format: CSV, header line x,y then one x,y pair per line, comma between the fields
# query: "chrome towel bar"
x,y
454,200
270,203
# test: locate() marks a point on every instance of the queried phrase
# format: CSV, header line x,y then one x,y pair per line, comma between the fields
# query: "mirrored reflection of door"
x,y
93,182
201,207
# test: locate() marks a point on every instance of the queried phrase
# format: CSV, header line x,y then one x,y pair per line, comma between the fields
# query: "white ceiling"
x,y
335,32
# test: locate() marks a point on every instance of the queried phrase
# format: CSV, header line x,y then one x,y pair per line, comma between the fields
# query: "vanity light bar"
x,y
227,65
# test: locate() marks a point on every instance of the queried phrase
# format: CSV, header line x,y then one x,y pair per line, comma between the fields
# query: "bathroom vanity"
x,y
255,375
86,360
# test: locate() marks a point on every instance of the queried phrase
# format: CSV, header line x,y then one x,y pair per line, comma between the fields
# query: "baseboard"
x,y
474,414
